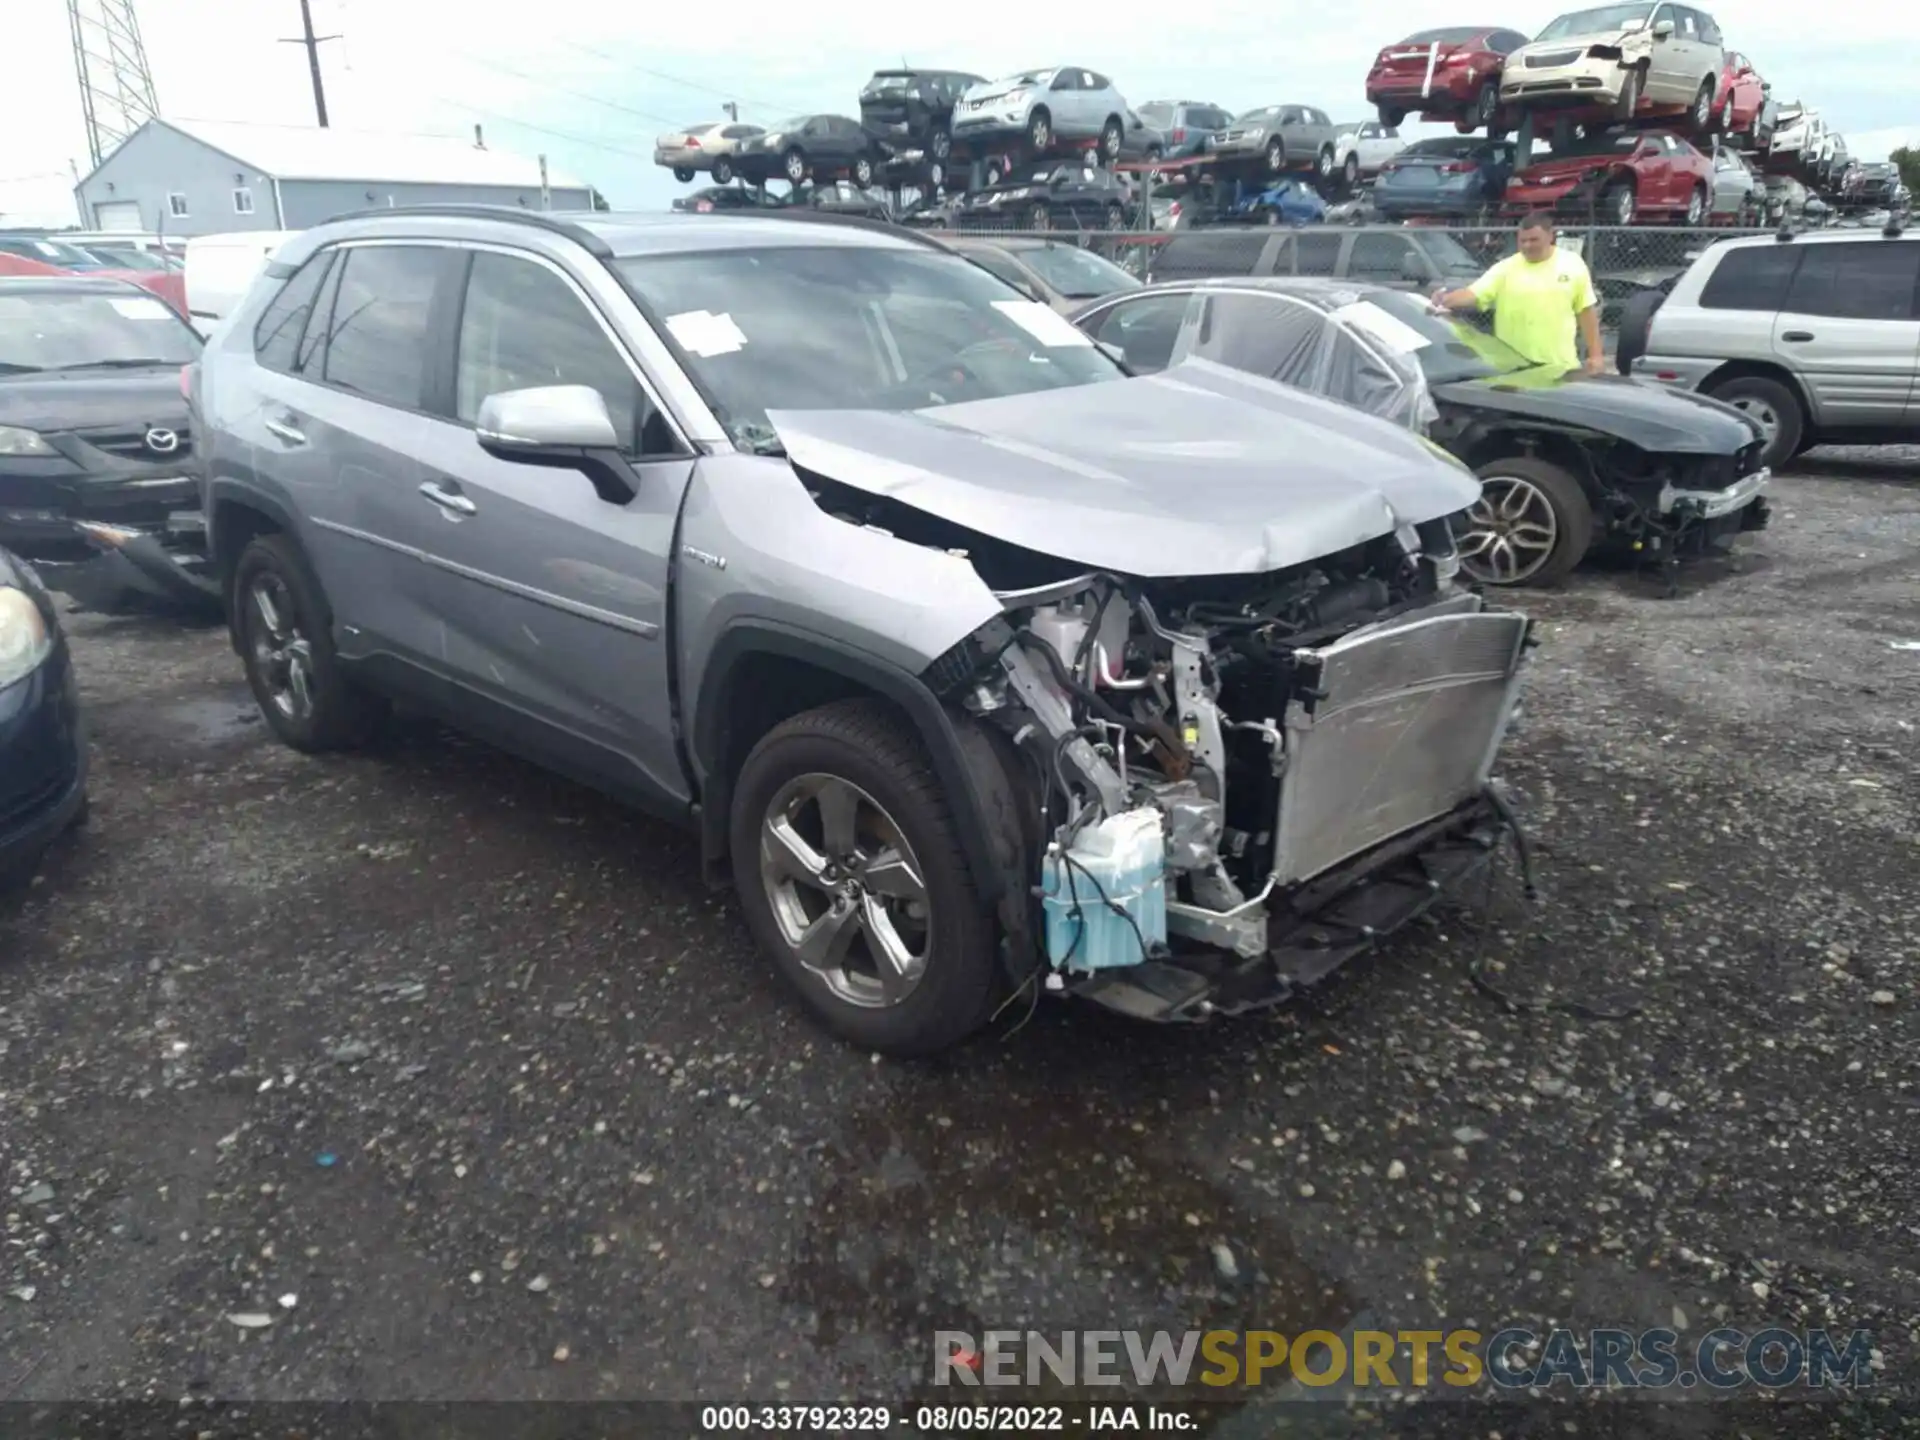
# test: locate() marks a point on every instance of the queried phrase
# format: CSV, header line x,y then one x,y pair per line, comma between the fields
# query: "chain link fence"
x,y
1625,261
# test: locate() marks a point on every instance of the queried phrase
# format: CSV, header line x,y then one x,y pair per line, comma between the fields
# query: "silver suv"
x,y
1815,336
985,667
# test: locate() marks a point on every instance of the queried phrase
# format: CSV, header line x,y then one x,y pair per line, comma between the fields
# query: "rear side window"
x,y
376,343
277,334
1385,257
1865,280
1753,278
1316,254
1197,256
1261,334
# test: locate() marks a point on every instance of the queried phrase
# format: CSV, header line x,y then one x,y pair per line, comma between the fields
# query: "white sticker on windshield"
x,y
1042,322
1389,330
138,309
702,333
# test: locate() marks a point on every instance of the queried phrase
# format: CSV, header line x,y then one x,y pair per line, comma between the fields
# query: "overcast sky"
x,y
590,83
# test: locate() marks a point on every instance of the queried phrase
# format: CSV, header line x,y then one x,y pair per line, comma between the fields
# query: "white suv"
x,y
1815,336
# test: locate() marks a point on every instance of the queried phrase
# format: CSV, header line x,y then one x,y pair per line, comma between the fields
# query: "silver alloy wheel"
x,y
847,892
1623,206
1760,412
1039,132
796,167
1696,209
1511,531
282,656
1703,109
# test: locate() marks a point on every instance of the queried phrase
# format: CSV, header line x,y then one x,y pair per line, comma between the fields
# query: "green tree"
x,y
1908,159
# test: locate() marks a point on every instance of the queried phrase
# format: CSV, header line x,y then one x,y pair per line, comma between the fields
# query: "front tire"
x,y
1702,112
1276,156
854,882
1697,208
862,170
1618,204
683,173
722,171
1039,131
1774,406
1530,527
286,646
794,165
1111,139
940,145
1629,100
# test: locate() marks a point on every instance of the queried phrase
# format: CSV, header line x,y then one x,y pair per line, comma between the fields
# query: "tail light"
x,y
186,382
1179,137
1389,167
1459,167
1173,211
703,206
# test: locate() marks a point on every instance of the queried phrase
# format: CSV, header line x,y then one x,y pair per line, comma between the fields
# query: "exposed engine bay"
x,y
1218,760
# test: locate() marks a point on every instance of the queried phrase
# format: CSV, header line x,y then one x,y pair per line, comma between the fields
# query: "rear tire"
x,y
722,171
1697,208
1702,113
794,165
1350,174
862,170
336,714
1112,137
1618,204
939,145
1039,131
1537,520
683,173
861,744
1777,409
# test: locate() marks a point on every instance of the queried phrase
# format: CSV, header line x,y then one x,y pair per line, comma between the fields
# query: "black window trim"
x,y
431,384
324,258
687,451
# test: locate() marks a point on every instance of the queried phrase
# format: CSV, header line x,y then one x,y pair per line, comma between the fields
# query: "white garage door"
x,y
117,215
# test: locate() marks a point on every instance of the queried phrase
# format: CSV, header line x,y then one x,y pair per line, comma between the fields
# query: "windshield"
x,y
63,329
1452,349
1077,274
846,327
127,259
799,122
1605,20
50,252
1453,35
1443,147
1618,143
1268,116
1449,254
1158,116
1014,82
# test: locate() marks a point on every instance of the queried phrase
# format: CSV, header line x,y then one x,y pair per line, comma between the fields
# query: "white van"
x,y
222,268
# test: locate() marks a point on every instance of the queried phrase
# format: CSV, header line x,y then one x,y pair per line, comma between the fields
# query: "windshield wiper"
x,y
141,363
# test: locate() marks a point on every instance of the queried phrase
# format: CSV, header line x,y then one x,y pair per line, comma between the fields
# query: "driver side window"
x,y
522,326
1144,330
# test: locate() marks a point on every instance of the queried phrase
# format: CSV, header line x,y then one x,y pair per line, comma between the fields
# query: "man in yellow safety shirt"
x,y
1540,299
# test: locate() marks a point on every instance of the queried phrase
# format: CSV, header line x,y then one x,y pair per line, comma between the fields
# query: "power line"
x,y
562,89
537,129
763,104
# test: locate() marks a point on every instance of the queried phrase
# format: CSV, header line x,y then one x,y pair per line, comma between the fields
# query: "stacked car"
x,y
1613,114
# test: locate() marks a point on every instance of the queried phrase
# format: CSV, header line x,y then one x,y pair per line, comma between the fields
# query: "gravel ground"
x,y
460,1078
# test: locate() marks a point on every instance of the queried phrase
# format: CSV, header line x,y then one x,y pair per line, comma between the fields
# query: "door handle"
x,y
1797,335
449,499
285,429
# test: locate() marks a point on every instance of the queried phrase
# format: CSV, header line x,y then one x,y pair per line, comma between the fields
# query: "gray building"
x,y
199,177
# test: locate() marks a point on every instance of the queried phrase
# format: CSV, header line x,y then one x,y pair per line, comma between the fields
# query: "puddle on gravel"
x,y
1030,1216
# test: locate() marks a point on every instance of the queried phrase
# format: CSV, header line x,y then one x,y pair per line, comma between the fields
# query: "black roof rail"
x,y
858,222
541,219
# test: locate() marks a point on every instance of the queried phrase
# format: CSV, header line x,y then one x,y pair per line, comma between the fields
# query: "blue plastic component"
x,y
1124,856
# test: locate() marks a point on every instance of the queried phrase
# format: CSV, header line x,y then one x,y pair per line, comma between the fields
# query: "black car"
x,y
814,147
1567,462
727,199
98,487
43,750
1049,196
914,108
1874,184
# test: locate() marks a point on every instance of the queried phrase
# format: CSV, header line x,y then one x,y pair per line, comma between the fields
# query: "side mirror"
x,y
560,426
1663,30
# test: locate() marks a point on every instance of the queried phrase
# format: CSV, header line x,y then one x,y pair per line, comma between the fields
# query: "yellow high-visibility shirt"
x,y
1536,307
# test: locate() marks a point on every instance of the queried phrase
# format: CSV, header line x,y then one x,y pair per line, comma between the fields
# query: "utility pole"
x,y
733,110
313,43
546,195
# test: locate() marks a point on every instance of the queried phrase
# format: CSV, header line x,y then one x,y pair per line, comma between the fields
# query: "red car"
x,y
1451,73
1742,105
1618,178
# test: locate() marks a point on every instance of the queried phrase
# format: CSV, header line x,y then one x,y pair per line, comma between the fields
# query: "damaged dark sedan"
x,y
97,486
1569,464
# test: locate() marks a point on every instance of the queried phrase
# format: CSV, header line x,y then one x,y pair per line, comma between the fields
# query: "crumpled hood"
x,y
1199,470
1659,419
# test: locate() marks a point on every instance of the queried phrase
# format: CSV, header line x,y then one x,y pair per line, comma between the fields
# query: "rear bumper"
x,y
1429,202
1561,196
1450,90
43,762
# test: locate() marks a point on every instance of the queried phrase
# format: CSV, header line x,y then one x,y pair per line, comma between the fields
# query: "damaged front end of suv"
x,y
1247,719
